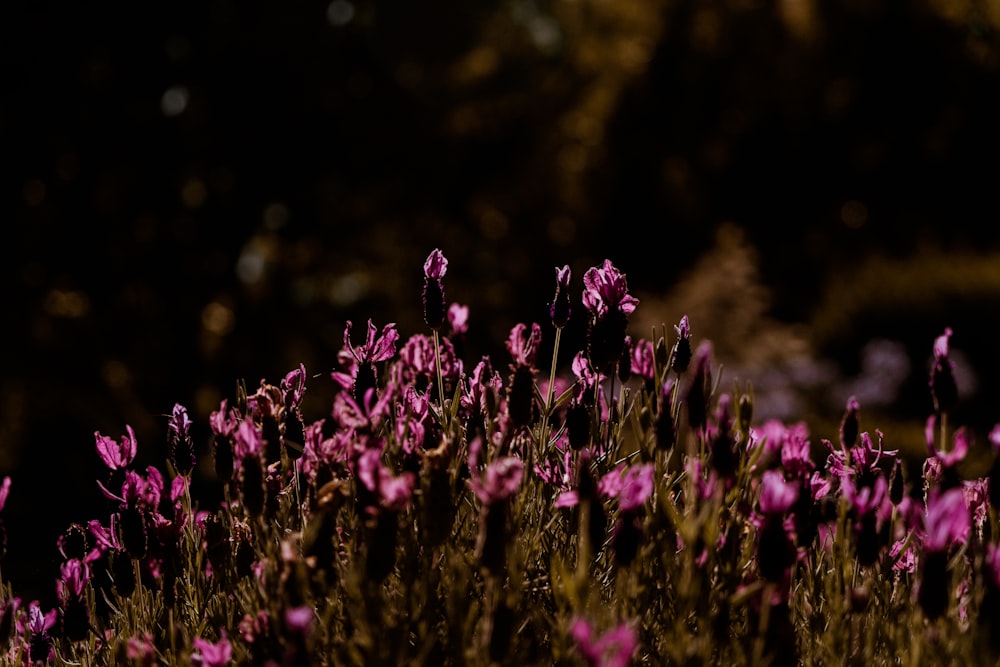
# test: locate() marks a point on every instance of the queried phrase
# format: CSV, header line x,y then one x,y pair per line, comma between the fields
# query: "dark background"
x,y
200,192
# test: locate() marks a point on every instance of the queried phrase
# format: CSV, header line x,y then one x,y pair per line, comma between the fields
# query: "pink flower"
x,y
560,309
116,455
4,491
435,266
632,489
499,482
522,343
458,319
218,654
776,495
377,346
293,386
612,649
605,289
948,520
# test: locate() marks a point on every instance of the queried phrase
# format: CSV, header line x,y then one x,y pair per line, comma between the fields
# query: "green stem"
x,y
440,378
544,433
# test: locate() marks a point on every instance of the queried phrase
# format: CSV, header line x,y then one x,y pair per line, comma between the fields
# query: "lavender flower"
x,y
376,348
849,424
71,589
522,344
435,309
117,455
681,357
606,296
213,654
612,649
560,310
699,388
498,483
944,390
179,442
775,544
947,524
632,490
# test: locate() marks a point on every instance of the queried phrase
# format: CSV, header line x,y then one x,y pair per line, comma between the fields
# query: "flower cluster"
x,y
622,510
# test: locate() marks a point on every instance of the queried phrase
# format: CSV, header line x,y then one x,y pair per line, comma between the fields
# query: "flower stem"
x,y
544,433
440,378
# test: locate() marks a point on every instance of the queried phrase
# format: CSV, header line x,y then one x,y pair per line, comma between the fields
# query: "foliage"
x,y
441,512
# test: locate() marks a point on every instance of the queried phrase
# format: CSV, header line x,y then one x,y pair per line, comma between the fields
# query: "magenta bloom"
x,y
560,309
393,493
947,524
960,446
944,390
612,649
116,455
522,343
606,296
435,310
499,482
606,289
179,442
948,520
777,495
4,491
209,654
248,440
435,266
377,346
849,424
293,386
682,348
458,319
632,489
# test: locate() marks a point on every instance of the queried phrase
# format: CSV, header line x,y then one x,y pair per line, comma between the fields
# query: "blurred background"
x,y
198,192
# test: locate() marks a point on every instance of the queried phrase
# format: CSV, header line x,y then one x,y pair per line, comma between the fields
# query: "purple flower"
x,y
960,446
499,481
4,491
375,349
293,386
377,346
213,654
248,440
606,297
777,495
180,444
643,362
682,348
435,266
632,489
393,493
606,289
458,319
416,364
947,521
116,455
946,524
71,589
699,388
299,620
73,580
944,390
612,649
435,310
224,420
523,343
560,308
849,424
